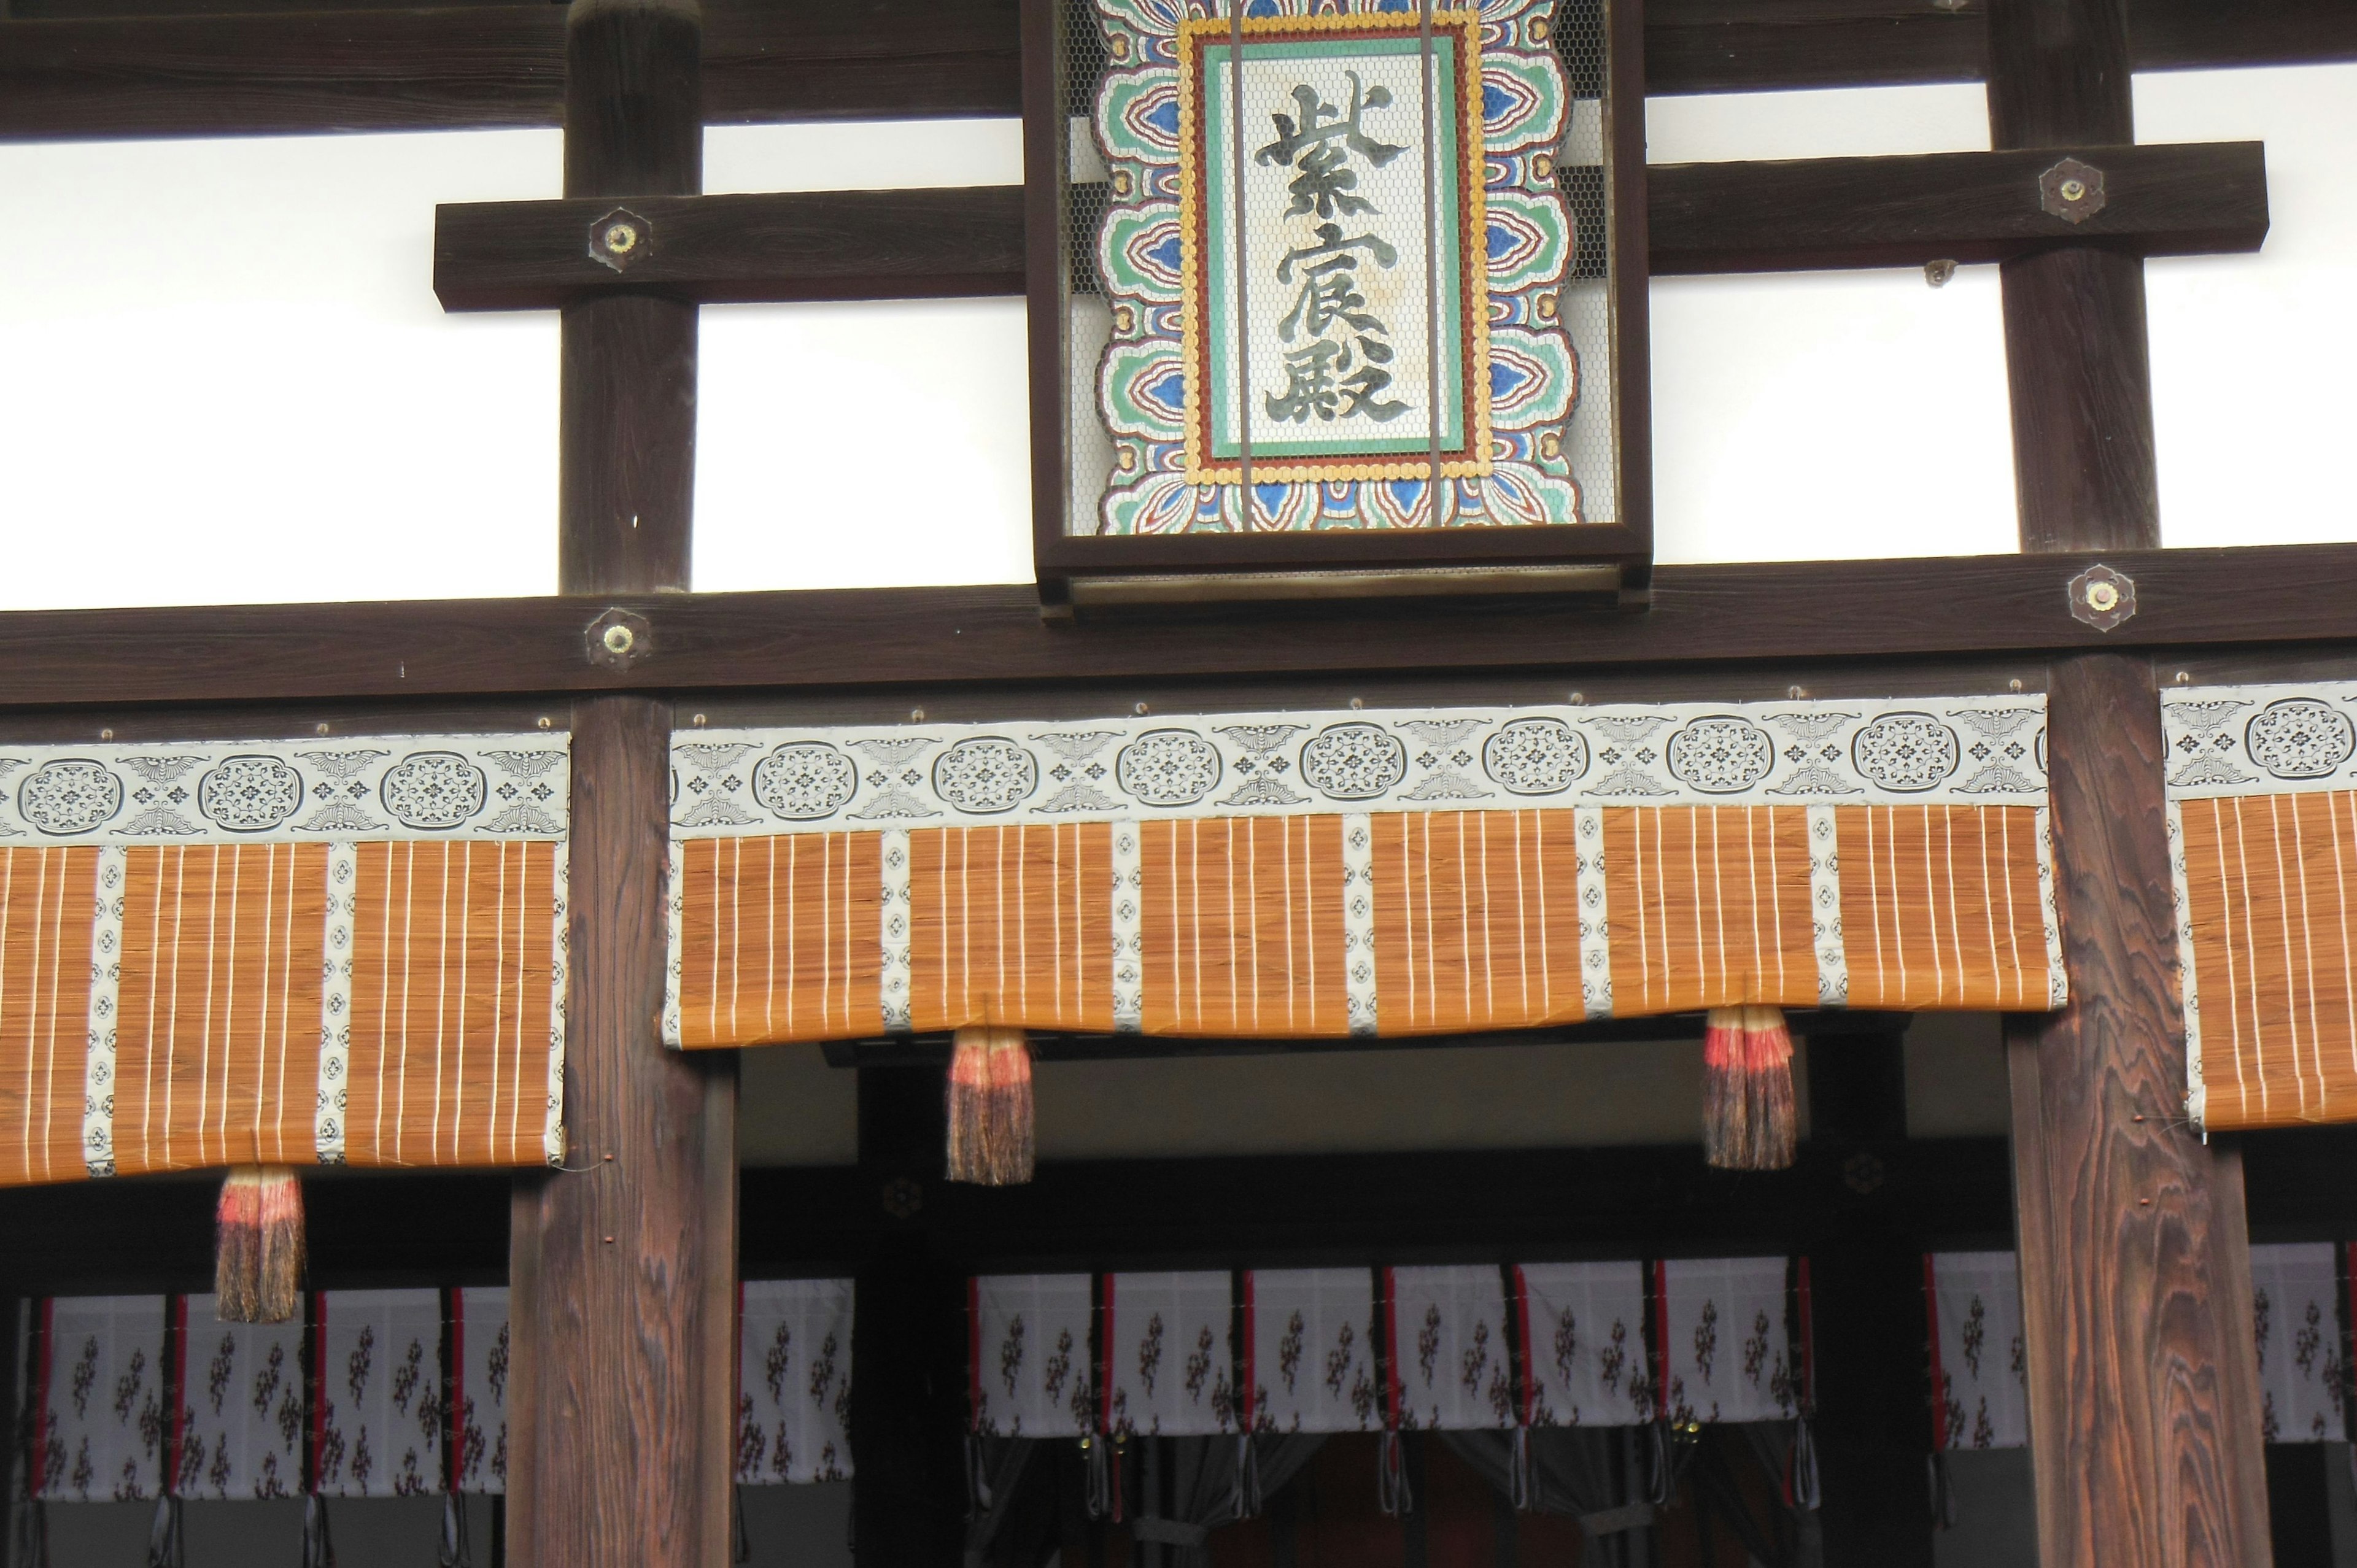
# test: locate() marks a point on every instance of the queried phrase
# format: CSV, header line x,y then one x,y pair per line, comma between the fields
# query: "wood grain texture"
x,y
163,68
1967,608
625,1275
2135,1255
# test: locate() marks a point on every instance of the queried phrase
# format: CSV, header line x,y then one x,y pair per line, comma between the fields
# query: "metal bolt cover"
x,y
617,638
619,239
2102,597
2071,190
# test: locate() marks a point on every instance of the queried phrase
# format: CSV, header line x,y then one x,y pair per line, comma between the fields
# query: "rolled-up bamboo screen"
x,y
1320,875
281,952
2263,841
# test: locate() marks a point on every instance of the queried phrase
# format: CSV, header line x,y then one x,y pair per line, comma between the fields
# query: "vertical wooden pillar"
x,y
2134,1248
624,1268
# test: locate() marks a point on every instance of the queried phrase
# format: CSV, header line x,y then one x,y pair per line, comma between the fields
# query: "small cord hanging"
x,y
319,1544
166,1547
455,1550
1247,1491
1393,1493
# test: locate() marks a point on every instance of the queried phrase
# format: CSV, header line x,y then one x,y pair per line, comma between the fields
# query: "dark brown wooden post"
x,y
2134,1248
624,1273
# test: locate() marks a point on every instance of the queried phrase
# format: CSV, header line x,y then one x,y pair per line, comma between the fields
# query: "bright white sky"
x,y
229,380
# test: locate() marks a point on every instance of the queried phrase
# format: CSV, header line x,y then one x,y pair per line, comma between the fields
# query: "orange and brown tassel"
x,y
990,1106
258,1245
1748,1114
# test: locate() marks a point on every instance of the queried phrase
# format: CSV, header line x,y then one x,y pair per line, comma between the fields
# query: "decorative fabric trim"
x,y
238,952
2263,865
1394,872
1980,1393
1457,1348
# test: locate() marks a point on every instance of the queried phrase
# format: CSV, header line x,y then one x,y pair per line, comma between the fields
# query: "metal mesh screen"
x,y
1332,202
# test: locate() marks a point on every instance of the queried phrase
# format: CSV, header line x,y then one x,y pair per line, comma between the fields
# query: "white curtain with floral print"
x,y
478,1388
101,1399
1170,1361
793,1381
241,1406
2296,1315
1309,1345
1031,1374
1977,1359
379,1427
1727,1339
1583,1329
1452,1362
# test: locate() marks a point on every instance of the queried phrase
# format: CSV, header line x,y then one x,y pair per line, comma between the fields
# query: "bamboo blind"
x,y
791,921
373,977
2262,830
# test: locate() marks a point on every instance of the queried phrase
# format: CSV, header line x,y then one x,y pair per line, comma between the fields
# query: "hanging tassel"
x,y
258,1245
1747,1115
990,1107
318,1546
455,1551
1392,1494
165,1549
1247,1497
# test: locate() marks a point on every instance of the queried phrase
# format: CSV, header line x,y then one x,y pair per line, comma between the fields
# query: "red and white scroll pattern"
x,y
1310,1341
377,1419
241,1406
1171,1353
103,1416
480,1348
2295,1314
1726,1339
1583,1327
1031,1356
1451,1361
1979,1387
793,1381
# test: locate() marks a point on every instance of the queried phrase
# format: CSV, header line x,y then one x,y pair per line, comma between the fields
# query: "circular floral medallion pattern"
x,y
250,794
2299,738
1353,761
71,795
1905,752
986,774
1721,755
430,789
803,780
1168,768
1535,756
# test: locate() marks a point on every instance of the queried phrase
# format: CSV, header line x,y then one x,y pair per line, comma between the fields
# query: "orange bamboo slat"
x,y
280,952
1320,875
2263,840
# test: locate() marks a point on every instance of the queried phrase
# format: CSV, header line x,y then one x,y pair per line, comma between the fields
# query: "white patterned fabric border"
x,y
1030,1355
2303,1349
1980,1388
241,1406
479,1339
105,993
377,1428
793,1381
1310,1342
1910,751
1169,1353
100,1401
1452,1362
1595,920
1825,910
1582,1334
2224,741
289,791
1727,1338
560,965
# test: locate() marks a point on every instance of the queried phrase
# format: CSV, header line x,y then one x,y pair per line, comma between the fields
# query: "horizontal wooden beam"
x,y
1976,607
181,68
1705,218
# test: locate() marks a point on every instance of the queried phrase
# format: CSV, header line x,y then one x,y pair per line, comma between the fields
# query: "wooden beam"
x,y
1705,218
1976,608
184,68
622,1394
2143,1415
